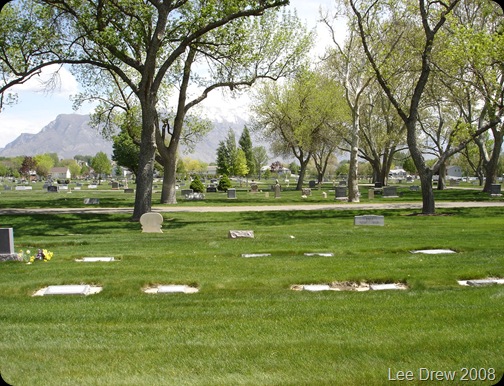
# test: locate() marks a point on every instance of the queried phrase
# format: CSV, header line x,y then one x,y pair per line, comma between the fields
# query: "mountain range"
x,y
70,135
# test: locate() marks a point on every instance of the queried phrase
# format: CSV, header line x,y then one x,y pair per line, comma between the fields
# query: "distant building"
x,y
60,173
454,171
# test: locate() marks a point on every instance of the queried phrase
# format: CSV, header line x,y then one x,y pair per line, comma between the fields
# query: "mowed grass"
x,y
245,326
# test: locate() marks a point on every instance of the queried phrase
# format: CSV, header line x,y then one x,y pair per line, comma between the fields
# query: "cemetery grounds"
x,y
246,325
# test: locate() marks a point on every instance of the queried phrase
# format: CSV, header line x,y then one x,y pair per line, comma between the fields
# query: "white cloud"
x,y
59,80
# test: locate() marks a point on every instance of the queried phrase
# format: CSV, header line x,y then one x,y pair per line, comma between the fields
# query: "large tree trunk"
x,y
353,173
169,192
143,197
492,164
302,172
441,185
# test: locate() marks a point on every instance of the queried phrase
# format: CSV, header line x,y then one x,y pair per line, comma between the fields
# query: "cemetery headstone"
x,y
92,186
277,191
53,189
340,193
414,188
390,191
231,193
7,245
254,188
91,201
151,222
371,194
369,219
186,192
306,191
129,190
312,184
495,190
211,189
115,185
7,187
324,195
63,187
238,234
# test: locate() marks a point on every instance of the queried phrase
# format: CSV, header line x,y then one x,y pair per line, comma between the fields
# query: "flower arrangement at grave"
x,y
42,254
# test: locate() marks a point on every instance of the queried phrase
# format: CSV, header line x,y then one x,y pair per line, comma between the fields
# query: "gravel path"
x,y
287,207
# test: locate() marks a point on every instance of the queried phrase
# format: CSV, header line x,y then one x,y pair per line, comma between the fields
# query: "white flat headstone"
x,y
433,251
95,259
328,254
171,288
92,186
256,254
67,290
482,282
235,234
316,287
379,287
369,220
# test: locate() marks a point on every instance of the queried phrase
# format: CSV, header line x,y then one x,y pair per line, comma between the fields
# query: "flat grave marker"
x,y
171,288
480,282
324,254
239,234
95,259
91,201
81,289
433,251
369,219
256,254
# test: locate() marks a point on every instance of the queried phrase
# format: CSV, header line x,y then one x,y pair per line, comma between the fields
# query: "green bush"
x,y
197,186
224,183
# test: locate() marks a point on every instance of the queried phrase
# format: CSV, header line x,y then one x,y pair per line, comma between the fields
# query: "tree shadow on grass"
x,y
302,217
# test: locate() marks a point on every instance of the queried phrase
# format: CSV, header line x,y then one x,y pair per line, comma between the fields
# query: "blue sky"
x,y
35,108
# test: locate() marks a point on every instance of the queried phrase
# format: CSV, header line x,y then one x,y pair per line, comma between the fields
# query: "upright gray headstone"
x,y
231,193
312,184
390,191
7,245
186,192
341,193
6,241
495,190
254,188
277,191
53,188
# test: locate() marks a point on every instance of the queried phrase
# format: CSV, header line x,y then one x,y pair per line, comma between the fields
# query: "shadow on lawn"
x,y
64,224
297,216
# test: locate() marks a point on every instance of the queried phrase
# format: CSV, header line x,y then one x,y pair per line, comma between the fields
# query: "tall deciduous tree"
x,y
299,116
138,43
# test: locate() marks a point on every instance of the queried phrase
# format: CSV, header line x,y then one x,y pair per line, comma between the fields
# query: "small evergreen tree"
x,y
197,186
224,183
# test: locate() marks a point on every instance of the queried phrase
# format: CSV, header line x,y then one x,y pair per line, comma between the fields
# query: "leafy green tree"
x,y
136,47
101,164
416,47
300,117
223,166
125,151
241,167
44,164
245,143
224,183
260,156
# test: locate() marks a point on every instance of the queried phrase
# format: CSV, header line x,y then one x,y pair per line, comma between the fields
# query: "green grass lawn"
x,y
245,326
